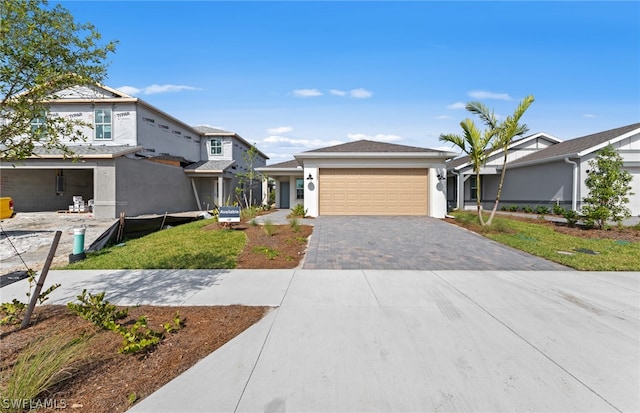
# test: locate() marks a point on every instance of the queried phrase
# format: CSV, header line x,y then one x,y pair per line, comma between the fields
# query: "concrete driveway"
x,y
409,243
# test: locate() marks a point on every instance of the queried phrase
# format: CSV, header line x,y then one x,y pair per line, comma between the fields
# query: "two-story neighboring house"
x,y
136,159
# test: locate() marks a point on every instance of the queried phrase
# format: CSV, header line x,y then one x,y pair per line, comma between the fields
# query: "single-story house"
x,y
542,170
557,174
461,179
363,178
136,160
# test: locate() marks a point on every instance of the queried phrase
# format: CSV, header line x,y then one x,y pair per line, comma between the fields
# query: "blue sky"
x,y
293,76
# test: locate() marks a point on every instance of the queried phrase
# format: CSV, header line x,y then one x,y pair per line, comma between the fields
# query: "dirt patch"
x,y
282,247
104,380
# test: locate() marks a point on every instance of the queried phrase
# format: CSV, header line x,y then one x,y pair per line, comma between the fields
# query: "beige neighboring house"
x,y
363,178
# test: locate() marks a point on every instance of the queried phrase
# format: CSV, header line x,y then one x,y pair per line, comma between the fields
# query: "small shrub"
x,y
253,222
248,213
512,208
294,224
542,210
138,337
269,228
174,326
12,312
96,309
299,211
527,209
571,216
557,210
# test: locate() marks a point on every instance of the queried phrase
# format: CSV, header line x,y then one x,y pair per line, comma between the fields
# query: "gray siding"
x,y
538,184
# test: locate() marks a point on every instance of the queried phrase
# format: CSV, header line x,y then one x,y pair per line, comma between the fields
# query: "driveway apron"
x,y
409,243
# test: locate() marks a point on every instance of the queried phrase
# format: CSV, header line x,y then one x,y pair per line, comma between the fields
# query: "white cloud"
x,y
379,137
588,115
154,89
443,117
457,105
306,93
360,93
307,143
129,90
279,130
337,92
483,94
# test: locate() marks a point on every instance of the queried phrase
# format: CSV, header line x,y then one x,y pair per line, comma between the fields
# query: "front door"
x,y
284,195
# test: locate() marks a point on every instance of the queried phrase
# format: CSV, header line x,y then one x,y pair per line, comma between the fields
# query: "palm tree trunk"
x,y
478,205
502,175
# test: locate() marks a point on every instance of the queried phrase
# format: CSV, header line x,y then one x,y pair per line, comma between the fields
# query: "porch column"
x,y
220,191
195,193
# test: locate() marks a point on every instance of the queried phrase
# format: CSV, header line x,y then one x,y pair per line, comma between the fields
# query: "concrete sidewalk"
x,y
372,340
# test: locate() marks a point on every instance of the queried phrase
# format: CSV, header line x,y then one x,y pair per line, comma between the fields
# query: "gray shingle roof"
x,y
453,163
209,129
370,146
209,166
88,151
575,146
286,164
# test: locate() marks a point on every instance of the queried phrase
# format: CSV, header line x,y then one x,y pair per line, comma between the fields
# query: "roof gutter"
x,y
574,196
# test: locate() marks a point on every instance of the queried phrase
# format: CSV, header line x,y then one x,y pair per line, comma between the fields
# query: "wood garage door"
x,y
373,191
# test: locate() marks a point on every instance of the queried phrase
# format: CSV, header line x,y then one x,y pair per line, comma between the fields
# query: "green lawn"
x,y
543,241
187,246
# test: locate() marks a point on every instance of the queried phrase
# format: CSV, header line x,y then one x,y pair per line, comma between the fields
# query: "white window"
x,y
38,127
216,146
103,124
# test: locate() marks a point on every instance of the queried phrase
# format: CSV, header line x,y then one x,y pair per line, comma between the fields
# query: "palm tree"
x,y
504,133
474,143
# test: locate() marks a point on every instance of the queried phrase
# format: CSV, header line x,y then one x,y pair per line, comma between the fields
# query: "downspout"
x,y
574,196
195,192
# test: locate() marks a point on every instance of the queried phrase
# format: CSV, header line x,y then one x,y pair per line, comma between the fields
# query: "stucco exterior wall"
x,y
146,187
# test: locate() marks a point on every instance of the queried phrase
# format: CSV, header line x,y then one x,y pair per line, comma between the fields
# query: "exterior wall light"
x,y
309,178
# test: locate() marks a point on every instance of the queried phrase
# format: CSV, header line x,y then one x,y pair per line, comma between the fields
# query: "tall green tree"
x,y
504,132
42,51
609,189
474,143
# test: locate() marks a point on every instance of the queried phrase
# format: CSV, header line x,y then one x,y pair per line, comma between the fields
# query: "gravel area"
x,y
28,236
